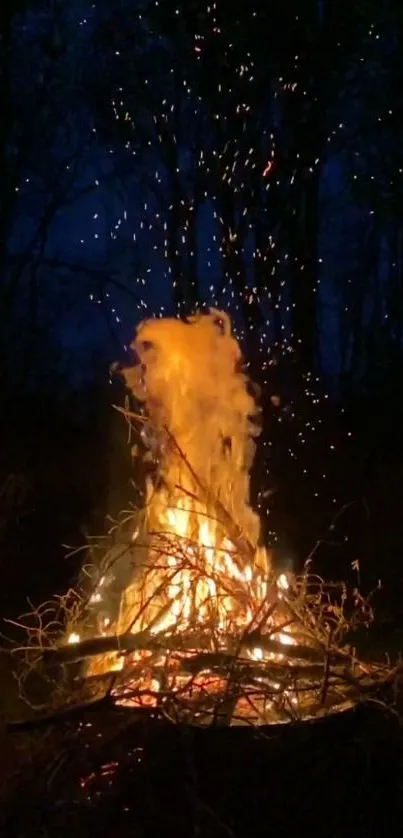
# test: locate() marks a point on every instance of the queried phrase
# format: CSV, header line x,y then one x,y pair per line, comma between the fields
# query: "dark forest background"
x,y
158,157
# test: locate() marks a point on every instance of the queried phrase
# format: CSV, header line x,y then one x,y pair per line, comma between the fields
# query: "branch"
x,y
142,641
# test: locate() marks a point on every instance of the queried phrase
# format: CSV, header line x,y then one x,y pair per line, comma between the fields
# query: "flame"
x,y
203,420
73,637
205,573
200,579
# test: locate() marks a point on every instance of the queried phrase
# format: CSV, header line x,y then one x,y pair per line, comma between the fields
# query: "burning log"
x,y
125,644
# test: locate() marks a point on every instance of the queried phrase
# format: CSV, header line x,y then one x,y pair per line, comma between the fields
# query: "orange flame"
x,y
203,421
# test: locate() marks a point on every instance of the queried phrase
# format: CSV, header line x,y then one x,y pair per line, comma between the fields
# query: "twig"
x,y
327,671
234,532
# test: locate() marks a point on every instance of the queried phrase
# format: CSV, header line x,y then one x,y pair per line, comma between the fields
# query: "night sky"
x,y
173,116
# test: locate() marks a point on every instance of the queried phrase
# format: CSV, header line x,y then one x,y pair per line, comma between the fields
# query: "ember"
x,y
205,630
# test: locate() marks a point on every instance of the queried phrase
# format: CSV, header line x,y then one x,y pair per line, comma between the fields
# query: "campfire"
x,y
205,630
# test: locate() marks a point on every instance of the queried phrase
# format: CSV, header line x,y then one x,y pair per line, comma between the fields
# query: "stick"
x,y
221,664
327,671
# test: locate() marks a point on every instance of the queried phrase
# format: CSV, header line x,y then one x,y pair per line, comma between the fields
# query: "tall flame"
x,y
190,381
204,567
200,409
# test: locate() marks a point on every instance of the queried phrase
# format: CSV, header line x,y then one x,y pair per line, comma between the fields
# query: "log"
x,y
91,647
203,641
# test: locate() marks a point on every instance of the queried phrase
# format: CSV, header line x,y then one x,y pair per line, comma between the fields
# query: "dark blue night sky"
x,y
143,114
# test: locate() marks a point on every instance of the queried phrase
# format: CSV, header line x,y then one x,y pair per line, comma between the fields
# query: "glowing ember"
x,y
73,637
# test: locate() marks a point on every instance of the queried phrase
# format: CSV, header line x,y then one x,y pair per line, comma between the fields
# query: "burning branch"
x,y
125,644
